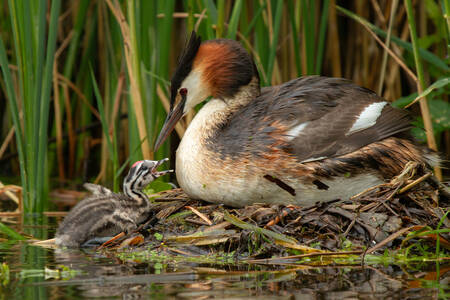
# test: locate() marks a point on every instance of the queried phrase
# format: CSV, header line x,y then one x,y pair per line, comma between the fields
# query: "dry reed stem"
x,y
58,214
116,103
388,41
136,97
76,90
70,130
391,53
7,190
58,124
6,142
388,239
425,110
333,38
58,116
414,183
202,216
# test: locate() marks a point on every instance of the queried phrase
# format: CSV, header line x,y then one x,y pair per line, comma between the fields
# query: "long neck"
x,y
244,96
219,112
139,197
213,115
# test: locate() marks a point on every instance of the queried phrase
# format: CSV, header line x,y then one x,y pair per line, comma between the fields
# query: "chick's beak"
x,y
173,117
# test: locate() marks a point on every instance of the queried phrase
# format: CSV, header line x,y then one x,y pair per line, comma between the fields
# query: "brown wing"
x,y
317,117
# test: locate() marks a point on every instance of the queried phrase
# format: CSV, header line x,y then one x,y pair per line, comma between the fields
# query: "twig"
x,y
388,40
111,240
415,182
202,216
368,190
389,239
393,55
8,139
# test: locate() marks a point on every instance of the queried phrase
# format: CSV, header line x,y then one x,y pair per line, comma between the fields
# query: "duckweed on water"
x,y
159,257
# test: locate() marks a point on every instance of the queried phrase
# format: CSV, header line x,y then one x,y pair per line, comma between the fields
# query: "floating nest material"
x,y
380,217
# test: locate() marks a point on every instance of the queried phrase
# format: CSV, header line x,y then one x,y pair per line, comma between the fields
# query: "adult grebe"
x,y
307,140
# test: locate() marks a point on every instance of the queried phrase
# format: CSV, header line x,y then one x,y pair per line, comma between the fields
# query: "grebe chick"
x,y
307,140
105,213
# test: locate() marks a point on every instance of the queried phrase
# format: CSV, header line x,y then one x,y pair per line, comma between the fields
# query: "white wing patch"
x,y
313,159
295,131
368,117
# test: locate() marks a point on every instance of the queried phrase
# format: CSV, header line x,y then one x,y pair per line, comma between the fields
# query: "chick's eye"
x,y
183,91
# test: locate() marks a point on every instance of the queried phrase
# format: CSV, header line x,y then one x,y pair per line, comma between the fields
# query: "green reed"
x,y
101,123
34,48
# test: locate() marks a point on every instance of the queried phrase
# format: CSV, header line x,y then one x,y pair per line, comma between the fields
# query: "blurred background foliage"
x,y
84,84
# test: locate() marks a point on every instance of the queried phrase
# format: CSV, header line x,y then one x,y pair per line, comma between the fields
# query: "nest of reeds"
x,y
382,216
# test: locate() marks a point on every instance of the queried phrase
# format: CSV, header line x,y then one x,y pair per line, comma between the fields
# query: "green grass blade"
x,y
101,111
212,17
295,35
45,101
252,23
74,42
220,18
11,233
321,38
234,20
436,85
309,32
424,54
12,103
274,46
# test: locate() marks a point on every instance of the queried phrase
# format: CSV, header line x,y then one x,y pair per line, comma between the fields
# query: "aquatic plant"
x,y
72,126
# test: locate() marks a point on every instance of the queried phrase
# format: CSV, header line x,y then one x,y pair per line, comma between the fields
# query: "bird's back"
x,y
310,139
310,118
90,218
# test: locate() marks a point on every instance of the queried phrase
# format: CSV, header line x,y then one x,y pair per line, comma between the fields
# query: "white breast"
x,y
200,178
203,177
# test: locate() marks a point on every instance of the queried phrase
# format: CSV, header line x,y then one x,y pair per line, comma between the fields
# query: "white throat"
x,y
190,152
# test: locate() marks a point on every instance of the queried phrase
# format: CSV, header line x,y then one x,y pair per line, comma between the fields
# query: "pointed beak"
x,y
172,119
159,162
156,173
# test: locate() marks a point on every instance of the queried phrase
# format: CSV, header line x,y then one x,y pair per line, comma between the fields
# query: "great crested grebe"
x,y
307,140
105,213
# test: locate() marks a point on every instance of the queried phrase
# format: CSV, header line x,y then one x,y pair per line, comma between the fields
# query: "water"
x,y
40,273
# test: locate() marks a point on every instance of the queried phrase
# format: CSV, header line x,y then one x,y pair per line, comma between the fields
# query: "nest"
x,y
380,217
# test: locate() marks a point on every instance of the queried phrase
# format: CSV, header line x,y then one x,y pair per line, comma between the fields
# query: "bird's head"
x,y
142,173
216,68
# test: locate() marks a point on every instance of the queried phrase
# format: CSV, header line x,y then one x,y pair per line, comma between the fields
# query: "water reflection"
x,y
39,273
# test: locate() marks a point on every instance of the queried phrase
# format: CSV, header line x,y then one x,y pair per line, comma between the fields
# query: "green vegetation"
x,y
13,235
86,82
4,274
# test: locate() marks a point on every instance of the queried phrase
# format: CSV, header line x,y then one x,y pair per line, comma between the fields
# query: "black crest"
x,y
184,66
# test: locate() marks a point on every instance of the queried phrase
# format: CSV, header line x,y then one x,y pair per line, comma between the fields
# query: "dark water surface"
x,y
40,273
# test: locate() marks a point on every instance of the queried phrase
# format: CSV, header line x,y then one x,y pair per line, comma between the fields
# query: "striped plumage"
x,y
307,140
105,213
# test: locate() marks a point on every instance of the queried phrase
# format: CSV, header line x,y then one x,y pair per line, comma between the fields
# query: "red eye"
x,y
183,91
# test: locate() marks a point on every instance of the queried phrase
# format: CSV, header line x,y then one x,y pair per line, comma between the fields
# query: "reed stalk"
x,y
132,48
426,115
34,51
